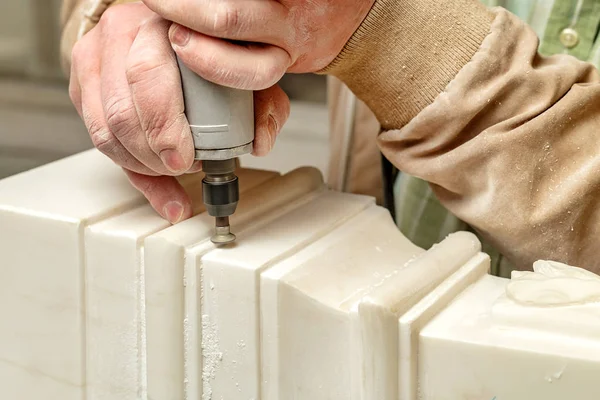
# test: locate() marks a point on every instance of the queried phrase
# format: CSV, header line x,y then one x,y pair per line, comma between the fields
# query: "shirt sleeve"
x,y
78,17
508,139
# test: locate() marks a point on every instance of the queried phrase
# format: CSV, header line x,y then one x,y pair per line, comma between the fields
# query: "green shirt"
x,y
564,27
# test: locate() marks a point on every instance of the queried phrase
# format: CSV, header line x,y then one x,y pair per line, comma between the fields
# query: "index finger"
x,y
155,85
261,21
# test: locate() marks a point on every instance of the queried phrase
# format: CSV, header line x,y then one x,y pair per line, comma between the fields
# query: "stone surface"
x,y
321,297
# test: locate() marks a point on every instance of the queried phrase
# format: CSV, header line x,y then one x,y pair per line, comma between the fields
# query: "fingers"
x,y
272,109
100,89
262,21
155,84
120,113
134,114
85,93
102,138
249,66
165,194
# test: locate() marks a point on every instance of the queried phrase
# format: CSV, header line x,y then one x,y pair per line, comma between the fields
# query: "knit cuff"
x,y
78,19
406,52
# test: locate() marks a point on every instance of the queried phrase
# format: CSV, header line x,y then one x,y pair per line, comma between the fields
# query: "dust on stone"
x,y
211,354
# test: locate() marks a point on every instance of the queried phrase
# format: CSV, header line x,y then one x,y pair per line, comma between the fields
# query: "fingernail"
x,y
179,35
173,160
273,128
173,211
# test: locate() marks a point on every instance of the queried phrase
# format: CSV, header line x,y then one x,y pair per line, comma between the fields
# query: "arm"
x,y
507,139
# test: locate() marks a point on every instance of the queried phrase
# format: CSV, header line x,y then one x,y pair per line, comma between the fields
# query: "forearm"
x,y
508,141
77,18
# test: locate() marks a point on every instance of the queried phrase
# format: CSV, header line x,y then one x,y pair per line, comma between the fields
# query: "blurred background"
x,y
38,123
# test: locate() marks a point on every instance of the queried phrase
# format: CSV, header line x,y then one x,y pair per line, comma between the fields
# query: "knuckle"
x,y
121,117
110,20
212,69
100,135
143,68
102,141
147,186
227,19
157,126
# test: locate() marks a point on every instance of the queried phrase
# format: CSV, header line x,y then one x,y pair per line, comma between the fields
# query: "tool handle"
x,y
221,118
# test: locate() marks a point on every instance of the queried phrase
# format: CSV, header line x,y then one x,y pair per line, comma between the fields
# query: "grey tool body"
x,y
222,124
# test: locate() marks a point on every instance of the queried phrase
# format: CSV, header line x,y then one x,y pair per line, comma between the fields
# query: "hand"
x,y
280,36
126,87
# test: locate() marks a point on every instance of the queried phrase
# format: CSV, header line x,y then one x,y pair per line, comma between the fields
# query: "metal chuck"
x,y
221,195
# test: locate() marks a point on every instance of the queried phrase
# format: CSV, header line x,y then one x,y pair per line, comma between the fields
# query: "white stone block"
x,y
485,345
321,297
43,215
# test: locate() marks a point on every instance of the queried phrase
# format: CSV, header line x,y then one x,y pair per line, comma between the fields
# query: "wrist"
x,y
406,52
79,20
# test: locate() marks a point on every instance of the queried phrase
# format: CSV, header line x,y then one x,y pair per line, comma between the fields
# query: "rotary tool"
x,y
222,124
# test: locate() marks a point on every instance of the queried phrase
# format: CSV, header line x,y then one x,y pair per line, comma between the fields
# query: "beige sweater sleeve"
x,y
78,17
507,139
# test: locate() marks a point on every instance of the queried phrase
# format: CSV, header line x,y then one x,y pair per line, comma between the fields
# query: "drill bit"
x,y
223,233
220,192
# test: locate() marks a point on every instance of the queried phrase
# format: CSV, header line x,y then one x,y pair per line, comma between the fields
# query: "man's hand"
x,y
278,36
126,87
